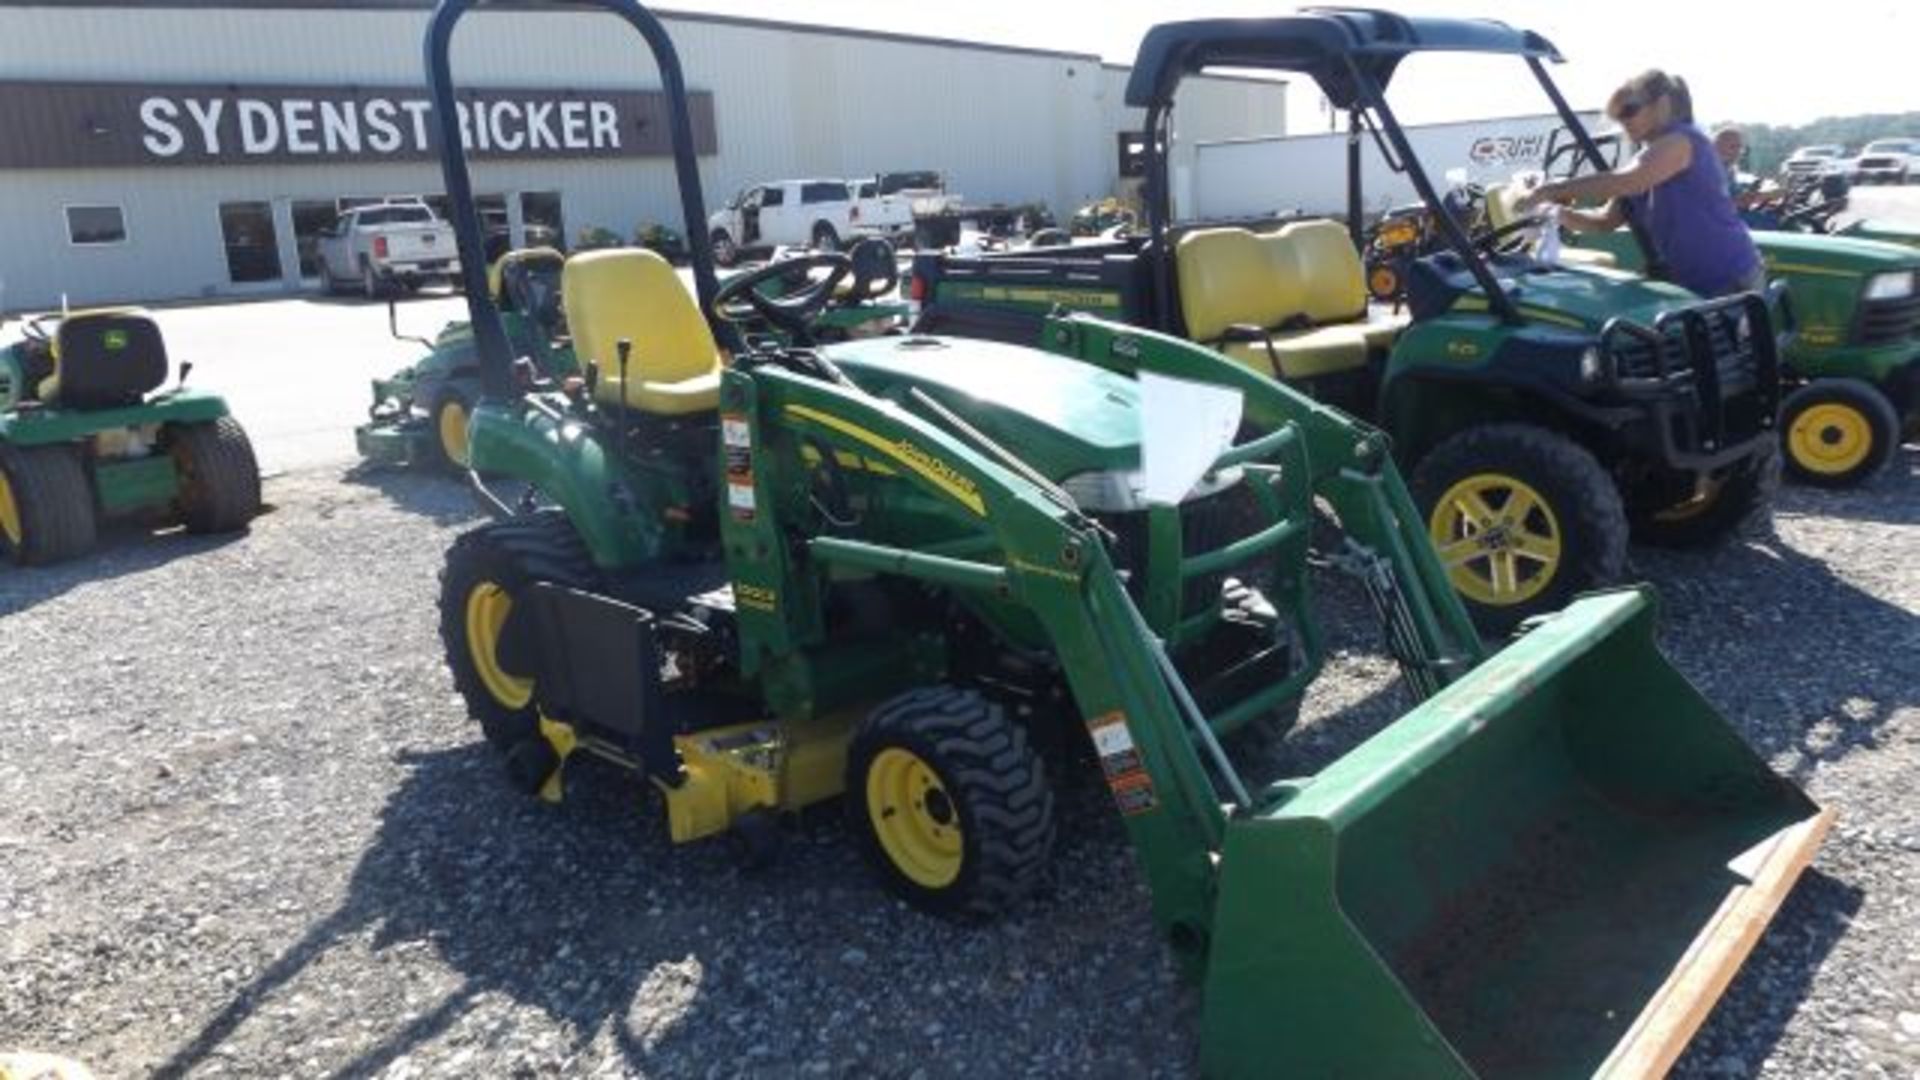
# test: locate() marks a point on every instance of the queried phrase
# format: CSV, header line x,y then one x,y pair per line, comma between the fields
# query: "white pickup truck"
x,y
890,204
786,213
382,246
1889,161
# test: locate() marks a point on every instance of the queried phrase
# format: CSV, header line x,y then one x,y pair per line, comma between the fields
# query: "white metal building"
x,y
158,149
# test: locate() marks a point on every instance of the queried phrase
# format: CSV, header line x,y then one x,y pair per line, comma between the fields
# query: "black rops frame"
x,y
490,336
1365,94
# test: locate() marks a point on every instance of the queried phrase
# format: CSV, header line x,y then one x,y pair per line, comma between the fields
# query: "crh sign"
x,y
1493,151
98,125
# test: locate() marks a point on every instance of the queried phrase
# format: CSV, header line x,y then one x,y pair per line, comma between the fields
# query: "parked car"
x,y
1889,161
801,213
1825,160
383,246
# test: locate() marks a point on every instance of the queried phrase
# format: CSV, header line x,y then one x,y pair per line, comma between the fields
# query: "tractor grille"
x,y
1636,358
1206,524
1888,322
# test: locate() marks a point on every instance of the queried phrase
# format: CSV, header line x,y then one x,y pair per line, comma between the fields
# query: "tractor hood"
x,y
1061,416
1891,232
1586,298
1787,252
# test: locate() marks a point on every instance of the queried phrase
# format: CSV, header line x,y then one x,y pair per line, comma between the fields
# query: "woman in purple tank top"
x,y
1677,186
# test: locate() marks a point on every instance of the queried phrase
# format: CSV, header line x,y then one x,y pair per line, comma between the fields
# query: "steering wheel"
x,y
740,299
1491,240
875,271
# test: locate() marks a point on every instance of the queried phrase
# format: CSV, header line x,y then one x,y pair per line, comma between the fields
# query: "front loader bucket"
x,y
1551,868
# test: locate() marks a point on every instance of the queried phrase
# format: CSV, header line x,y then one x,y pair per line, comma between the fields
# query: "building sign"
x,y
104,125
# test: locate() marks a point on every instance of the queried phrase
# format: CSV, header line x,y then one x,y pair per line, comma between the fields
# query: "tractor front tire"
x,y
487,569
219,477
950,801
1741,502
46,504
1522,519
1838,433
449,417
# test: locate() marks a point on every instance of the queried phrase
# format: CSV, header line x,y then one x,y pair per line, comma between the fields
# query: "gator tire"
x,y
1573,532
950,802
46,504
219,476
485,568
1838,433
1737,504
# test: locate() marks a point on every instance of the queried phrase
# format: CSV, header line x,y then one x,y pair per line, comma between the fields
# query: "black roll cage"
x,y
490,336
1354,76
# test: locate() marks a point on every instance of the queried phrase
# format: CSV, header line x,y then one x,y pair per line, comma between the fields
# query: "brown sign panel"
x,y
107,125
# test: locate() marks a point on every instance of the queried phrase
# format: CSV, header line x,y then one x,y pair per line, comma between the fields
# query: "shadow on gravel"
x,y
124,548
1888,500
441,497
1777,977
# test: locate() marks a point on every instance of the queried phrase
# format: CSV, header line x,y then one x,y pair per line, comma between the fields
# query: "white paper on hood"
x,y
1184,427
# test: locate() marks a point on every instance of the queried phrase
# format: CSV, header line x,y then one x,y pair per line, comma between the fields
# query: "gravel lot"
x,y
246,828
271,843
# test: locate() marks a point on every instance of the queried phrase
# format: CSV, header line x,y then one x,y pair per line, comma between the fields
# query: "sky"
x,y
1777,64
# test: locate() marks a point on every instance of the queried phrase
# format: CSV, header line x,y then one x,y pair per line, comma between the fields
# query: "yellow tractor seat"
x,y
106,359
496,273
634,295
1291,303
1501,213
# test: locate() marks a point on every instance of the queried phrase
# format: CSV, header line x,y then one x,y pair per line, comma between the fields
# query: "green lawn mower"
x,y
925,576
1547,413
87,433
419,415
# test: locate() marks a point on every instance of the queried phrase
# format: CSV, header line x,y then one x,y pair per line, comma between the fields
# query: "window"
x,y
772,196
864,191
96,226
823,191
396,215
253,248
893,183
544,224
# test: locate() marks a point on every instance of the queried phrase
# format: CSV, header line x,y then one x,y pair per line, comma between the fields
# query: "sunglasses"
x,y
1628,110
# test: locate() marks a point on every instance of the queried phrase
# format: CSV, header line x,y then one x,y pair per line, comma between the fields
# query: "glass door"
x,y
253,248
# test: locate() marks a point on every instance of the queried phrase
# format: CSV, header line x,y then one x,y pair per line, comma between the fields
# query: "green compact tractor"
x,y
420,414
925,576
87,433
1547,412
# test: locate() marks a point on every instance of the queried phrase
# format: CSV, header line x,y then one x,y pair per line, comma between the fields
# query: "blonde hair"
x,y
1650,86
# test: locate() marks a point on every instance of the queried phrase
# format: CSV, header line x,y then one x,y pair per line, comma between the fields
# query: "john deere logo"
x,y
114,340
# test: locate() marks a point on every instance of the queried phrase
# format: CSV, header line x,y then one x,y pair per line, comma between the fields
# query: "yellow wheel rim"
x,y
1498,539
1699,503
9,513
1830,438
488,606
916,822
453,432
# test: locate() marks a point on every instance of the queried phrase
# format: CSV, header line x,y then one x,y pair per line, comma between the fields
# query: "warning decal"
x,y
1121,762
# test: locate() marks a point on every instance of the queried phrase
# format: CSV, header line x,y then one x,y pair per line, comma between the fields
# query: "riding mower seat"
x,y
1501,212
634,295
1292,303
104,360
516,282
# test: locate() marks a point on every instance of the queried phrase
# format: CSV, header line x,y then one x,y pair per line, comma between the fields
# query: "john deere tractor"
x,y
87,433
420,414
912,573
1546,411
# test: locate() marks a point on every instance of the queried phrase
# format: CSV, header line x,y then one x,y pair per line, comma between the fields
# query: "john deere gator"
x,y
762,575
1546,411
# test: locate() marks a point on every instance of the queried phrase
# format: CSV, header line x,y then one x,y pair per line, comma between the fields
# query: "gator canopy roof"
x,y
1315,42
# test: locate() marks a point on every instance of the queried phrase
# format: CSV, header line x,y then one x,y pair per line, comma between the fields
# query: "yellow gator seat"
x,y
631,294
1500,214
1292,303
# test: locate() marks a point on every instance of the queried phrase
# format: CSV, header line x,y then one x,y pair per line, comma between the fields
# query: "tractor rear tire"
x,y
1571,529
46,504
1740,503
447,421
219,477
486,569
950,802
1838,433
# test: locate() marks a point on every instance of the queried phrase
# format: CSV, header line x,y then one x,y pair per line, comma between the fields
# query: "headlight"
x,y
1590,365
1894,286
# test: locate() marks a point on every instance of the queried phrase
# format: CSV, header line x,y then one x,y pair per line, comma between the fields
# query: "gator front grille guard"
x,y
1715,386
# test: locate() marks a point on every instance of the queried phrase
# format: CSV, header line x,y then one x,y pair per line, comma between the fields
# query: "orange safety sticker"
x,y
1133,793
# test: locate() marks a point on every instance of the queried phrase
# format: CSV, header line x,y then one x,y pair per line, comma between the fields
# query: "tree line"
x,y
1768,145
